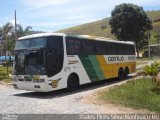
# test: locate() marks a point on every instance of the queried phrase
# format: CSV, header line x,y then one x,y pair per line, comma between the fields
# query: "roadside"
x,y
83,101
109,108
5,85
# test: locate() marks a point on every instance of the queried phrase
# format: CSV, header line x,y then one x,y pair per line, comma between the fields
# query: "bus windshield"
x,y
31,43
30,63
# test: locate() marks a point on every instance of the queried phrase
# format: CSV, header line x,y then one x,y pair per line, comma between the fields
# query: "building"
x,y
154,51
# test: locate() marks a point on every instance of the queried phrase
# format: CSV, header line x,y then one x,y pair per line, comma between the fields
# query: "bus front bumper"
x,y
30,86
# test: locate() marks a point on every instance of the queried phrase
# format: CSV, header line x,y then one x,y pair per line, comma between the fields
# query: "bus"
x,y
52,61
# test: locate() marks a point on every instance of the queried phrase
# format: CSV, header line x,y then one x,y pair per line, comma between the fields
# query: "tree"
x,y
22,32
6,33
129,22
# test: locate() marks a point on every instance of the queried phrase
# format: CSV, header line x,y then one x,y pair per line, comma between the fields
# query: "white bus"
x,y
51,61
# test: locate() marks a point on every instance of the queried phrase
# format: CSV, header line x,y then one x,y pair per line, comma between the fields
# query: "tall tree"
x,y
129,22
6,32
22,32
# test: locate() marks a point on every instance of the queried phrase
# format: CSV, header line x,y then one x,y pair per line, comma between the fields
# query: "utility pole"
x,y
149,53
15,16
158,38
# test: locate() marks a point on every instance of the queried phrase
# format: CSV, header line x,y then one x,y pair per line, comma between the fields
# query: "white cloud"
x,y
36,4
13,22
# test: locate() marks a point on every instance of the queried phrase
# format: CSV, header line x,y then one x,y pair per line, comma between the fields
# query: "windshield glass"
x,y
31,63
31,43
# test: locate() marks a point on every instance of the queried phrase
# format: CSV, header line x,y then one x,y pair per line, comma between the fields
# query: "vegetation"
x,y
95,28
4,75
7,34
23,31
136,94
129,22
153,70
142,93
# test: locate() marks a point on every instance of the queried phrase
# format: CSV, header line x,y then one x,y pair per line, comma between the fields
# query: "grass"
x,y
137,94
3,74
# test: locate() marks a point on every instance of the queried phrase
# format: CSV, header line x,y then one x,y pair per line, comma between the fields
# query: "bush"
x,y
3,75
153,70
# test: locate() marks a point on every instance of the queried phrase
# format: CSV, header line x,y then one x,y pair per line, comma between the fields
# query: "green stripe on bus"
x,y
88,67
96,67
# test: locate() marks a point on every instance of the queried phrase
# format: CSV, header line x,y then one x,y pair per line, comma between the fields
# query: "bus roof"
x,y
100,39
75,36
41,35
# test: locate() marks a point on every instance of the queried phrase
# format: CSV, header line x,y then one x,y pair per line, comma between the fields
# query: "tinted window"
x,y
31,43
111,48
132,50
73,46
88,47
100,48
129,49
55,42
119,49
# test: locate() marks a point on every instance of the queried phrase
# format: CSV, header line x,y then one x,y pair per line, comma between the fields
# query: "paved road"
x,y
19,101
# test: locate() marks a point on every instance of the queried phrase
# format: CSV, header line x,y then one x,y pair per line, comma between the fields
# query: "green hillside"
x,y
96,28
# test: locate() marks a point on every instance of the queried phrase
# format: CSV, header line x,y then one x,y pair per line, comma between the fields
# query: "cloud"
x,y
13,22
37,4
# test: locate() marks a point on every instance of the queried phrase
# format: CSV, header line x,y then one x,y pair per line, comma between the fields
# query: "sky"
x,y
53,15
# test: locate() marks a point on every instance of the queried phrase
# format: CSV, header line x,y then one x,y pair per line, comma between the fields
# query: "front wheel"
x,y
72,83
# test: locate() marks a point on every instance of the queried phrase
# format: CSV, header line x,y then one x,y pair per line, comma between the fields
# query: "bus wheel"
x,y
120,74
72,82
126,72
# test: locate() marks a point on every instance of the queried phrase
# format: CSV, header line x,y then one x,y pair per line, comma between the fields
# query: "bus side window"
x,y
89,47
121,49
125,49
111,49
100,48
132,50
73,46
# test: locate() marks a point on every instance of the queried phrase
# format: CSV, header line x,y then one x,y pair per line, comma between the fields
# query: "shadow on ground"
x,y
64,92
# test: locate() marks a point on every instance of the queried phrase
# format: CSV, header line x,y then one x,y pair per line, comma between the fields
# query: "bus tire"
x,y
126,72
120,74
73,82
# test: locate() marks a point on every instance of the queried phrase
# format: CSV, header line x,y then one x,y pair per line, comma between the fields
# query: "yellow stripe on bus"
x,y
111,70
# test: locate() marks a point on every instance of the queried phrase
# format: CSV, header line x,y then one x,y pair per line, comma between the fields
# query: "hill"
x,y
102,28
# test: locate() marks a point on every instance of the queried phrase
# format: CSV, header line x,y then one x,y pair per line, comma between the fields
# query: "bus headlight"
x,y
36,77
